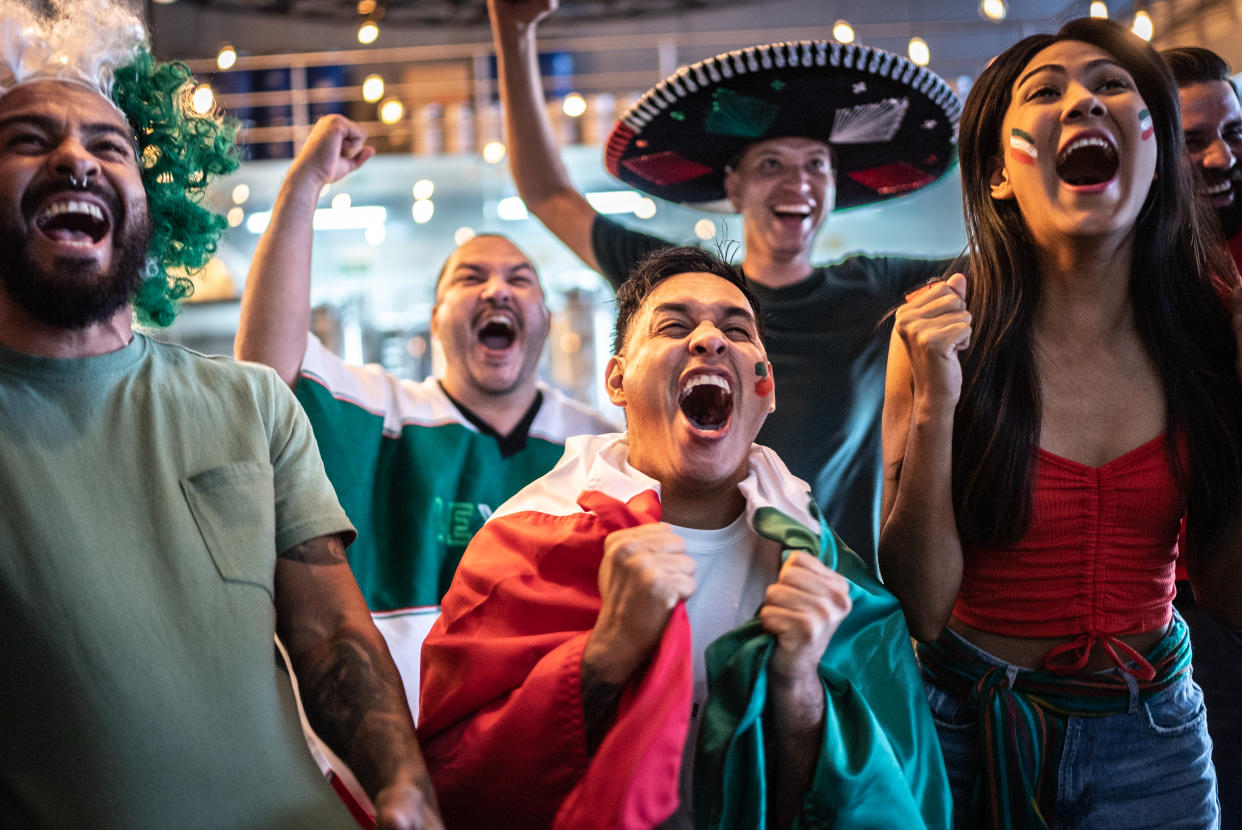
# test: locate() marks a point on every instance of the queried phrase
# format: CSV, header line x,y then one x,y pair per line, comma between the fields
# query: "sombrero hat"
x,y
891,123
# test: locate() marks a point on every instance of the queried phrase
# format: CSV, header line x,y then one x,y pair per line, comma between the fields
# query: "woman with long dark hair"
x,y
1051,417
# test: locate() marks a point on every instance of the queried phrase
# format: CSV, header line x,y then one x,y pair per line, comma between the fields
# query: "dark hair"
x,y
1178,309
1196,65
444,265
664,263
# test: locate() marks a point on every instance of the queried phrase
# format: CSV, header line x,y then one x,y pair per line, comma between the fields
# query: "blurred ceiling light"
x,y
494,152
390,111
614,201
165,2
235,216
357,217
573,105
241,193
203,100
424,189
994,9
511,209
705,229
843,31
646,208
462,235
366,7
372,88
1142,26
226,57
423,210
918,51
375,234
368,31
1099,9
341,201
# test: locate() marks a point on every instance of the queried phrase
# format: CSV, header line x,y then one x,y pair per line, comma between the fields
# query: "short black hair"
x,y
664,263
1196,65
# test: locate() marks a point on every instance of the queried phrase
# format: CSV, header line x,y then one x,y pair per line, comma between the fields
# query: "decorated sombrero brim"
x,y
891,123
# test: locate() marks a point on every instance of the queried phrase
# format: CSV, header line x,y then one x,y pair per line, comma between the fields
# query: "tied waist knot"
x,y
1022,713
1078,651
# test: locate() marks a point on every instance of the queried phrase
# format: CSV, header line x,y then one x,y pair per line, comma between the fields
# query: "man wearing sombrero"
x,y
165,514
780,134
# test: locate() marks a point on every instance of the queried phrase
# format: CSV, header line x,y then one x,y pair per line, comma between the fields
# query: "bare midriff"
x,y
1029,652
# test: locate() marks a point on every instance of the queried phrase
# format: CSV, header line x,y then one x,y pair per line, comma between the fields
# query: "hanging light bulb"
x,y
994,10
1099,9
372,88
368,31
203,99
1142,25
226,57
843,32
390,111
918,51
574,105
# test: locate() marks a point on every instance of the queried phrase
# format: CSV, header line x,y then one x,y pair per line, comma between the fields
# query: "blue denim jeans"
x,y
1149,767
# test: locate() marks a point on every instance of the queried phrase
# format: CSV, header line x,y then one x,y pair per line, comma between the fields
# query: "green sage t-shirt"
x,y
145,494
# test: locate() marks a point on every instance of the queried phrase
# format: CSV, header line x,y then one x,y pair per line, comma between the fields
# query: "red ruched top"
x,y
1096,562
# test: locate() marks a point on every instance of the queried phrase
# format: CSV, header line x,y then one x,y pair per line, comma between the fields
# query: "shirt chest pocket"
x,y
233,506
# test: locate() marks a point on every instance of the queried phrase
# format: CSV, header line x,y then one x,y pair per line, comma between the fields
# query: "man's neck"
x,y
774,271
699,508
500,411
22,332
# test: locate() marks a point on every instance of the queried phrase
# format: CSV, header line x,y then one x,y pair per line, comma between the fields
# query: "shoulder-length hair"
x,y
1179,272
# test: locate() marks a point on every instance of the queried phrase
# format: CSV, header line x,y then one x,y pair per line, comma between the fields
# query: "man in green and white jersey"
x,y
417,466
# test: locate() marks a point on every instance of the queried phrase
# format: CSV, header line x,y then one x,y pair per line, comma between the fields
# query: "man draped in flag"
x,y
661,630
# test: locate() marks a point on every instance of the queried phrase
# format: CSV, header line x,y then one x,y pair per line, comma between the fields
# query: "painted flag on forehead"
x,y
1023,146
501,705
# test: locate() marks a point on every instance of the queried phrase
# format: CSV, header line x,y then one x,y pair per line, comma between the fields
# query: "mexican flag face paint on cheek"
x,y
1146,128
1022,146
763,386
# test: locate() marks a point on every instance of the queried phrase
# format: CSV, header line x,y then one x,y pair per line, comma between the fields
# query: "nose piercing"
x,y
75,184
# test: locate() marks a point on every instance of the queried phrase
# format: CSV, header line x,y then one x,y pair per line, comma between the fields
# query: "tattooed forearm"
x,y
322,550
599,699
356,704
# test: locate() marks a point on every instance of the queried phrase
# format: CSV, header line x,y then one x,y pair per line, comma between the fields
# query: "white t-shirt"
x,y
731,577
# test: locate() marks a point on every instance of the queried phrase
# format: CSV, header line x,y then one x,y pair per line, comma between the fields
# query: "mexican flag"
x,y
501,704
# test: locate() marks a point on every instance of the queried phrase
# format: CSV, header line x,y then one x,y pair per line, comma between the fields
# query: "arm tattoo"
x,y
322,550
599,702
354,704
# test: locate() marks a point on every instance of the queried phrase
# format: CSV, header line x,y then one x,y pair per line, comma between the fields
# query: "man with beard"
x,y
417,466
781,134
570,679
1212,124
165,515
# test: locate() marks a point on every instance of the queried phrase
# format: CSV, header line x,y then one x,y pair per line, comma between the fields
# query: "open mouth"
x,y
1219,189
792,211
1086,161
73,221
707,402
497,332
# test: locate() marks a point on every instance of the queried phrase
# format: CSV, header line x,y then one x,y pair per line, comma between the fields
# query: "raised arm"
x,y
350,688
919,551
275,308
534,157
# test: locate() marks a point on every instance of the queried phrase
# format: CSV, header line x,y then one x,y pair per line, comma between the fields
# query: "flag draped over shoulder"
x,y
501,706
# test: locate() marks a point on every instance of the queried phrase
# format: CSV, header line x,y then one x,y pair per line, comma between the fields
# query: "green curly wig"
x,y
179,152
